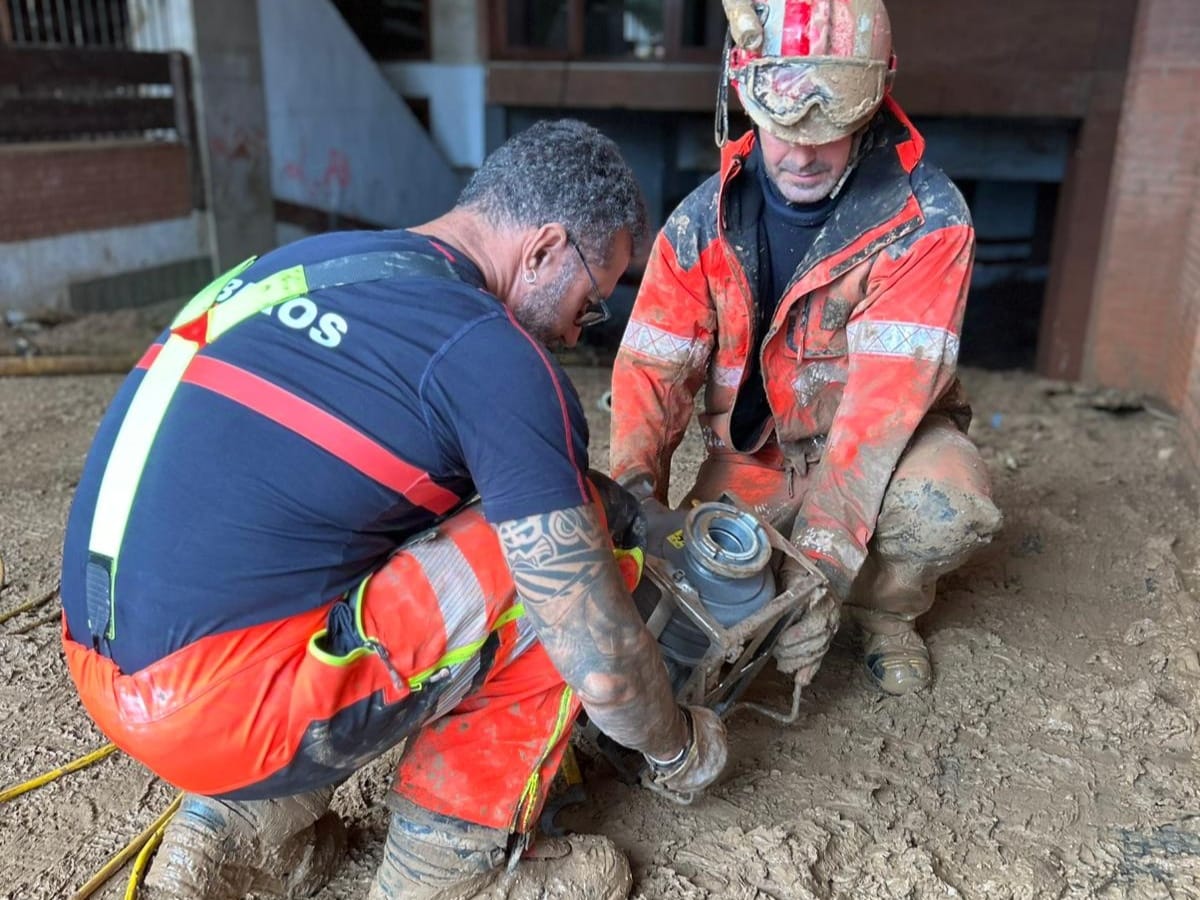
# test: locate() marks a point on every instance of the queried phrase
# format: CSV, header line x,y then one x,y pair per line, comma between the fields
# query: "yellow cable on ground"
x,y
110,868
28,605
37,623
143,857
82,762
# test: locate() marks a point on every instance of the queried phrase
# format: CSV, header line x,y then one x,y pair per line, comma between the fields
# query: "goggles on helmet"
x,y
846,91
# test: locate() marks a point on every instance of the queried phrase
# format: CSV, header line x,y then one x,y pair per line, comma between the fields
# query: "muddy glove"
x,y
626,522
657,520
804,643
701,760
661,521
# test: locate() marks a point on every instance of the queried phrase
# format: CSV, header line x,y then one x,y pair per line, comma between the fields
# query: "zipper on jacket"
x,y
735,266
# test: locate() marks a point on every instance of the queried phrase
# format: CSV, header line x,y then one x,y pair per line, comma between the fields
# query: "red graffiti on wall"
x,y
329,185
232,142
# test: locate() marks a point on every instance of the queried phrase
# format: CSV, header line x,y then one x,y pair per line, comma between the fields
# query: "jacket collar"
x,y
878,194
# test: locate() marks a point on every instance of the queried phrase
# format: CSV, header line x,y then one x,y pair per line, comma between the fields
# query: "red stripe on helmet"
x,y
796,40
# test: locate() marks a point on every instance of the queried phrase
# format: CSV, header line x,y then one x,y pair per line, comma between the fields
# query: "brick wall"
x,y
1190,295
1017,58
1028,58
1143,328
53,189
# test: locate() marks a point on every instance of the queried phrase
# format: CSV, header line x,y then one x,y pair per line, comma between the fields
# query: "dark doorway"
x,y
1014,224
1010,173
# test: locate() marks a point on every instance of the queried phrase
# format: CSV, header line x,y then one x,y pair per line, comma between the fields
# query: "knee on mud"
x,y
933,523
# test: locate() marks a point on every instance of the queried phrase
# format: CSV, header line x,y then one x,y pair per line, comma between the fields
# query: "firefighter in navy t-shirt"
x,y
274,572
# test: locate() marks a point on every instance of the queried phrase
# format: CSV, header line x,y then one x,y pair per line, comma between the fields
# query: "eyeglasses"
x,y
596,310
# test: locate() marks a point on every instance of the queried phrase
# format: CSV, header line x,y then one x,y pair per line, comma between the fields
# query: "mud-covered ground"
x,y
1055,755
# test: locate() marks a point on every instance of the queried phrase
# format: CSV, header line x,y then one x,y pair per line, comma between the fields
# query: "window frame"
x,y
499,48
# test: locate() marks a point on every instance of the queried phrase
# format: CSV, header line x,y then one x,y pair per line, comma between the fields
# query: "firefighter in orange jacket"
x,y
815,289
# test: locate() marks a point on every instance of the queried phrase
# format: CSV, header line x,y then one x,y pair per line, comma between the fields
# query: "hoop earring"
x,y
530,276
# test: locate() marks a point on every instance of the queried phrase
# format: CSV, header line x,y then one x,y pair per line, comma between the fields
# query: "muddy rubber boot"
x,y
204,855
305,863
223,850
433,857
897,663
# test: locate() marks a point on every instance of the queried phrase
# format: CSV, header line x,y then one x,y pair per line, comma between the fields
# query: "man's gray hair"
x,y
561,171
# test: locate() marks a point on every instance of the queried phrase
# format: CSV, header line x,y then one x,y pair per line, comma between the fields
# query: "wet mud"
x,y
1054,755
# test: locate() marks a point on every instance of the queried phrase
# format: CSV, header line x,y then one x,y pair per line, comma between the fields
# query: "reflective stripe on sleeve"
x,y
904,339
658,344
727,376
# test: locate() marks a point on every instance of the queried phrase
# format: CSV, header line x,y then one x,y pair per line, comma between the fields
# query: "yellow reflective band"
x,y
637,555
462,654
132,446
208,296
453,658
358,607
128,456
528,802
511,614
278,288
331,659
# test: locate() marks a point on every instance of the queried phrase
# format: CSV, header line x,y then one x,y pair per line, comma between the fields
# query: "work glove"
x,y
702,759
660,521
656,521
804,643
626,522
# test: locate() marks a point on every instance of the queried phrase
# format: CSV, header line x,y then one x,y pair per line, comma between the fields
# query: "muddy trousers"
x,y
936,511
430,652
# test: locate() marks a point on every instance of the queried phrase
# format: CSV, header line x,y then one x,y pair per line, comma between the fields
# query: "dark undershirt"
x,y
786,231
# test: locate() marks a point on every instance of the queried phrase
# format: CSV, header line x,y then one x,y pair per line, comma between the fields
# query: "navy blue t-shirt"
x,y
277,479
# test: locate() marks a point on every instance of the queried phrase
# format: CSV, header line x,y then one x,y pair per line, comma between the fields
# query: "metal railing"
x,y
65,23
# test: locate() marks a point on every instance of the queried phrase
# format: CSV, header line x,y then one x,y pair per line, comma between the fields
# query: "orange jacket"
x,y
862,345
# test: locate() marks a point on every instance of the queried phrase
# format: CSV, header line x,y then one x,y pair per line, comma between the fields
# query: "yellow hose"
x,y
110,868
143,857
27,606
74,766
143,845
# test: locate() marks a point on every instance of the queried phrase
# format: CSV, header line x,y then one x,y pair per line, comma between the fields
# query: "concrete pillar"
x,y
458,31
232,116
1189,410
1143,325
221,37
1084,201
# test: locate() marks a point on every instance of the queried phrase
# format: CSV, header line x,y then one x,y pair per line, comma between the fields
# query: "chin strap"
x,y
857,151
721,124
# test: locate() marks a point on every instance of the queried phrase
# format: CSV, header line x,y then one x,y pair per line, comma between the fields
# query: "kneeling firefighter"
x,y
274,571
814,289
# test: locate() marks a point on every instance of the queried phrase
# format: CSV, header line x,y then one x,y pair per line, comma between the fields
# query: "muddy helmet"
x,y
807,71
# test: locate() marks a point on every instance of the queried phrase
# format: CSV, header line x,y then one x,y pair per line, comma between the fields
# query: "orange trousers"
x,y
430,651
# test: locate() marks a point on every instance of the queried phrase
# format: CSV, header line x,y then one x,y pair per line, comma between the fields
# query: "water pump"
x,y
710,598
709,595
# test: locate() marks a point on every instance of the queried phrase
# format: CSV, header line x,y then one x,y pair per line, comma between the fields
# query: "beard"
x,y
541,313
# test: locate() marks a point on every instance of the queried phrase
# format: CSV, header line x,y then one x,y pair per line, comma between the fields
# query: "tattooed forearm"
x,y
564,571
